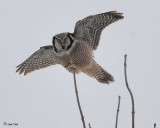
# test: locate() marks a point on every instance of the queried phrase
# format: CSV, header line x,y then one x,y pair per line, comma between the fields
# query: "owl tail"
x,y
96,71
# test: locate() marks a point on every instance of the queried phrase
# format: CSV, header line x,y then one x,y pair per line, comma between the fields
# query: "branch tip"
x,y
119,98
77,96
129,90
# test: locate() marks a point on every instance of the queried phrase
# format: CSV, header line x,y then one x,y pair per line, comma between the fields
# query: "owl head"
x,y
62,42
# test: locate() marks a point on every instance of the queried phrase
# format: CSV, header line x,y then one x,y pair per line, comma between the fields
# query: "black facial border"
x,y
53,42
71,40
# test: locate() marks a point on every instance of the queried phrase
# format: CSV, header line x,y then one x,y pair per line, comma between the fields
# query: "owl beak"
x,y
62,43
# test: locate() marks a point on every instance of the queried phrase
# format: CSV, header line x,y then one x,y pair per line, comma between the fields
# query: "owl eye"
x,y
65,39
59,41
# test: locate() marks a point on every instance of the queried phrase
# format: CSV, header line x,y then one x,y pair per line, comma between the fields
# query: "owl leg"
x,y
70,68
96,71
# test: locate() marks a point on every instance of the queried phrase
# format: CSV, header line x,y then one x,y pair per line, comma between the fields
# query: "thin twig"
x,y
154,125
79,106
130,92
90,125
119,98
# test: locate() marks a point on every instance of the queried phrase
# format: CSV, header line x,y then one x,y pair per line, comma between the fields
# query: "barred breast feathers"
x,y
82,54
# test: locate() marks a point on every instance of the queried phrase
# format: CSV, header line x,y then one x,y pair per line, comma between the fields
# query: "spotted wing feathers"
x,y
90,28
42,58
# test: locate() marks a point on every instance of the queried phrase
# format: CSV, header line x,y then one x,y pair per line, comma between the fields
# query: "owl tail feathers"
x,y
96,71
104,77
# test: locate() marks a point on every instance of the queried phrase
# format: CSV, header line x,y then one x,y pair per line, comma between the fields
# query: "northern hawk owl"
x,y
75,50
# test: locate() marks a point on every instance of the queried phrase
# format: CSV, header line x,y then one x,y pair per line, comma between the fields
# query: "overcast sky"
x,y
46,98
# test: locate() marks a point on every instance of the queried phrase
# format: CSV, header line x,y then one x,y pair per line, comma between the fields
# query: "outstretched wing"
x,y
90,28
42,58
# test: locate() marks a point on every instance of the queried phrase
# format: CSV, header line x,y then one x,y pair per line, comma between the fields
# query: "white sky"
x,y
46,98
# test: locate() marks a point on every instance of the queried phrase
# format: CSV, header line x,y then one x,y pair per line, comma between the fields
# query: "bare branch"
x,y
119,98
125,73
154,125
79,106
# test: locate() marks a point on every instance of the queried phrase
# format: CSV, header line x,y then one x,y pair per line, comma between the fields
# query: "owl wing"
x,y
90,28
42,58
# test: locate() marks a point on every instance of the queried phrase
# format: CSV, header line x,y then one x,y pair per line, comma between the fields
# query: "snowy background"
x,y
46,98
